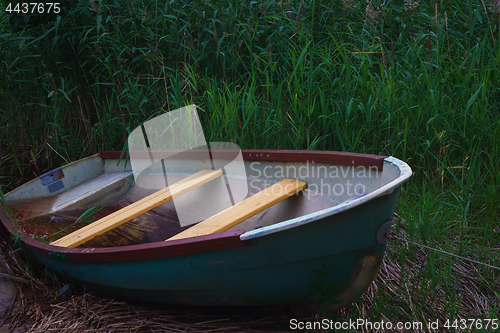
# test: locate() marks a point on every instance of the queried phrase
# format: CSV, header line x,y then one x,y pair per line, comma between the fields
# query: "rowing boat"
x,y
311,227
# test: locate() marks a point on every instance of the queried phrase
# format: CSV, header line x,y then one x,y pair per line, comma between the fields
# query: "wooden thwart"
x,y
137,208
245,209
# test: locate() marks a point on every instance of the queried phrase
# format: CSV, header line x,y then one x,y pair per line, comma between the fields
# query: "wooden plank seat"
x,y
125,214
243,210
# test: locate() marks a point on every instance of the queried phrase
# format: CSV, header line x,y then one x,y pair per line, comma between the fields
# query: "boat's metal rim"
x,y
405,173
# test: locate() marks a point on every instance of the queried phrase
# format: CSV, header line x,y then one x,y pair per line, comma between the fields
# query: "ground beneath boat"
x,y
8,294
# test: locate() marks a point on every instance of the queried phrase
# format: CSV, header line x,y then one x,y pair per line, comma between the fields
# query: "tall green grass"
x,y
421,84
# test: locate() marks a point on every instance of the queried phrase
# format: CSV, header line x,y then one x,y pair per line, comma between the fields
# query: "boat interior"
x,y
96,202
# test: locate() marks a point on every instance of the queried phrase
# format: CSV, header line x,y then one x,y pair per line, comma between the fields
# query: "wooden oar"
x,y
244,209
139,207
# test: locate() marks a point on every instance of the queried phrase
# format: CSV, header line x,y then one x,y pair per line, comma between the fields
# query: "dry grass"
x,y
405,286
87,312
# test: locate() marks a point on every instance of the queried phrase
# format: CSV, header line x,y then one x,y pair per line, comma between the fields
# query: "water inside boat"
x,y
152,226
155,225
49,217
